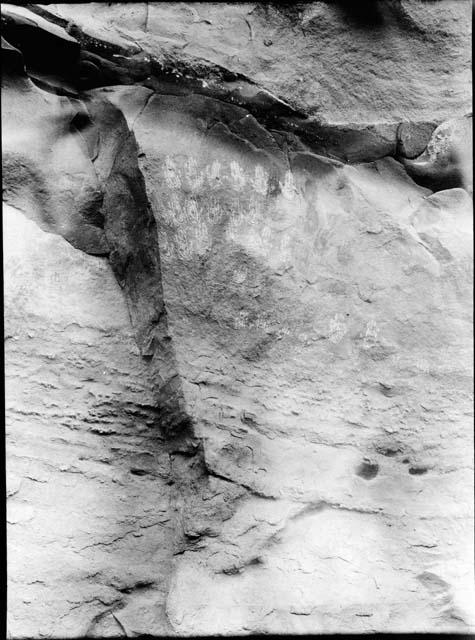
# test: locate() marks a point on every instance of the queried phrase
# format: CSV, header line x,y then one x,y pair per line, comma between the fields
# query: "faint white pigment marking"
x,y
254,211
260,322
237,175
266,235
200,238
288,188
192,215
197,220
260,180
213,173
371,334
240,274
193,175
183,246
172,212
170,174
241,320
213,212
337,328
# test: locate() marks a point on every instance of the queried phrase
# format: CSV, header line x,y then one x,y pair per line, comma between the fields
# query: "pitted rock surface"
x,y
238,318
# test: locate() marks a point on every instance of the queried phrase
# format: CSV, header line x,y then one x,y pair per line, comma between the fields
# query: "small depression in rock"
x,y
417,471
389,452
367,470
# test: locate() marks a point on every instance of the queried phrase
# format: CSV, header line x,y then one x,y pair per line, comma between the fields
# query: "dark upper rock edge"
x,y
61,58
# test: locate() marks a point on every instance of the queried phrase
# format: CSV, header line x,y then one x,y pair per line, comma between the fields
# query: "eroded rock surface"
x,y
238,319
89,515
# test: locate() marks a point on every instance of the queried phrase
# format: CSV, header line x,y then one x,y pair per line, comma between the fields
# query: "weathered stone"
x,y
47,172
238,322
413,138
241,300
447,161
398,62
83,522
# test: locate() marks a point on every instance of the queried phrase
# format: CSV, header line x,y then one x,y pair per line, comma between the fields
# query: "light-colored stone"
x,y
308,358
447,160
88,509
238,377
412,63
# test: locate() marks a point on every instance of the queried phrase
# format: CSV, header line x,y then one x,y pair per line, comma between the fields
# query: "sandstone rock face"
x,y
238,319
88,497
348,64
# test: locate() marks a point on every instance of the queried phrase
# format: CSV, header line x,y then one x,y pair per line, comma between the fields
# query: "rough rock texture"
x,y
238,318
91,529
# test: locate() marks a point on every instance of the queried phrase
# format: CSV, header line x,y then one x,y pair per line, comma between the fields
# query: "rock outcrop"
x,y
238,285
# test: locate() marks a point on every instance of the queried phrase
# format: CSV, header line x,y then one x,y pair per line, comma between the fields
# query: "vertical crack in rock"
x,y
131,232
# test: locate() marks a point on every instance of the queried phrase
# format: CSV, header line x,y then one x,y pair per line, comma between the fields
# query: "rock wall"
x,y
238,295
89,515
